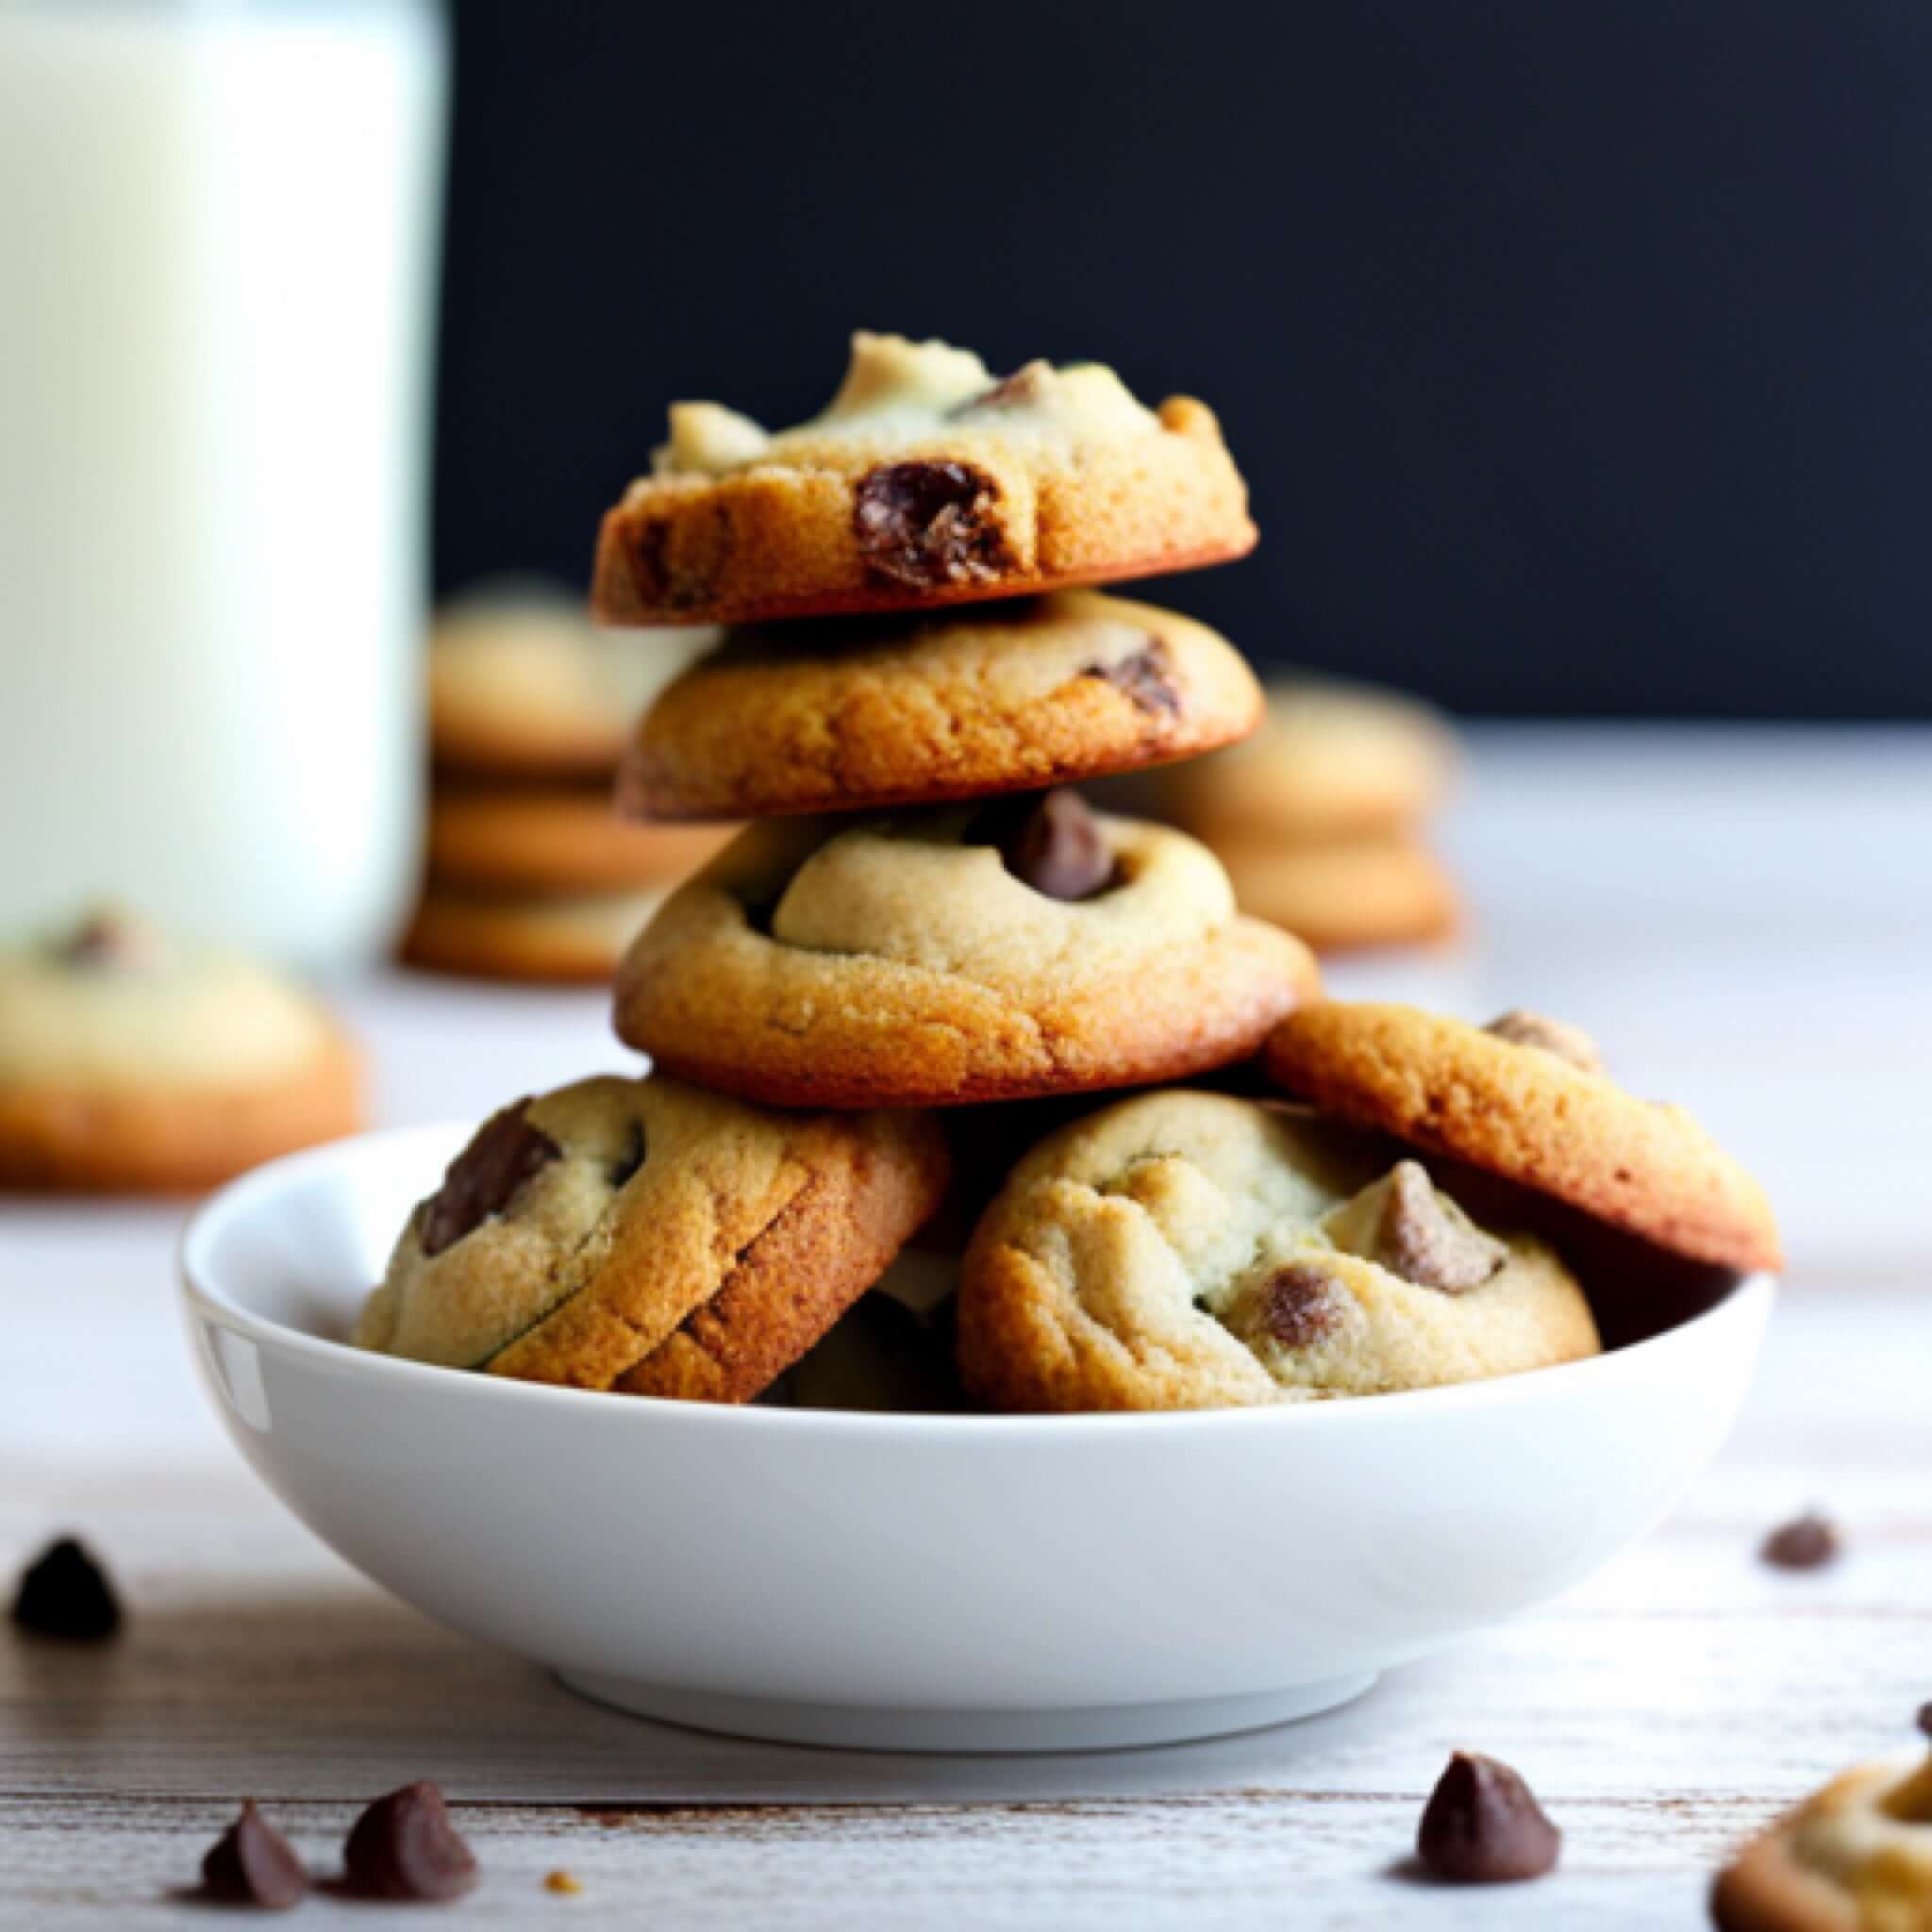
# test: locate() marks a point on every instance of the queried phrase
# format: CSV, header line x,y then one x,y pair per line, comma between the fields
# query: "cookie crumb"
x,y
1483,1825
65,1595
1807,1543
562,1882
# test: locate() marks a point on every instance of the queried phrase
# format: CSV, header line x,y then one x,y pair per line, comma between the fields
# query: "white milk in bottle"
x,y
216,262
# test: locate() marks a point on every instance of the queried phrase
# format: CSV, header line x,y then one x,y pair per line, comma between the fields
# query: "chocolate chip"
x,y
483,1179
1483,1825
252,1864
626,1166
404,1846
1807,1543
1053,843
1146,677
1300,1304
1522,1028
1924,1719
1427,1240
65,1595
926,523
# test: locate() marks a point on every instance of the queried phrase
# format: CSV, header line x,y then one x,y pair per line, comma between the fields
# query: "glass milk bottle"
x,y
217,227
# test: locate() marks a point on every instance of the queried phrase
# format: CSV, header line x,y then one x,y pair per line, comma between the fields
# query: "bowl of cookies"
x,y
1015,1310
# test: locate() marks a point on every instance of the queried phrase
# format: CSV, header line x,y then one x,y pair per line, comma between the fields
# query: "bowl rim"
x,y
1747,1303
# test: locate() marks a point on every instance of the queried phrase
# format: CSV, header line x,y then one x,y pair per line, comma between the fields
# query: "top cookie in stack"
x,y
965,929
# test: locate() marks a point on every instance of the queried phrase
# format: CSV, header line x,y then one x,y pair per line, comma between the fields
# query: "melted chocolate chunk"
x,y
1484,1827
1807,1543
1924,1719
1146,677
1300,1304
252,1864
1424,1241
65,1595
1052,842
483,1179
924,523
404,1847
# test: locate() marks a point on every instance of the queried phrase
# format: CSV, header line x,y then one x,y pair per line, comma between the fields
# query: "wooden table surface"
x,y
1745,920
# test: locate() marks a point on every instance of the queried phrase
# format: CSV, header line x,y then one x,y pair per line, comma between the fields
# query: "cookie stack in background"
x,y
1322,817
529,875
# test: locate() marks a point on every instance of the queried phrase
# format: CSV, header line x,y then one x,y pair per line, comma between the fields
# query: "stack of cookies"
x,y
928,951
1322,816
529,874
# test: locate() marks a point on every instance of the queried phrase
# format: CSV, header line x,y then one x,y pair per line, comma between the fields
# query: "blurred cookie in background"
x,y
522,684
1331,760
544,886
529,875
1321,817
132,1061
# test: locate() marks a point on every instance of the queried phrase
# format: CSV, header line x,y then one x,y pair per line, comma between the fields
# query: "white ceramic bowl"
x,y
923,1582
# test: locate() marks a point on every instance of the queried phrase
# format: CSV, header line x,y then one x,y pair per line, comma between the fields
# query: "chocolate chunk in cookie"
x,y
1057,846
483,1179
1426,1239
1484,1827
64,1593
1146,675
924,523
1301,1304
252,1864
1522,1028
404,1847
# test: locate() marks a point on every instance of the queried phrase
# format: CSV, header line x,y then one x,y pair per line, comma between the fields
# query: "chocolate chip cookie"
x,y
1023,947
522,684
650,1237
1855,1858
1187,1250
1527,1098
926,481
848,714
134,1062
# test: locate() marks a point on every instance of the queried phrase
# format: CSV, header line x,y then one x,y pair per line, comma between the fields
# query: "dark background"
x,y
1578,350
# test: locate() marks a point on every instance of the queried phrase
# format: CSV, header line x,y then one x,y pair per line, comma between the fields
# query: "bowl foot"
x,y
854,1727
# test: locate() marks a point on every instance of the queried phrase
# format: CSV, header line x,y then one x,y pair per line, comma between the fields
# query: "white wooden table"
x,y
1747,922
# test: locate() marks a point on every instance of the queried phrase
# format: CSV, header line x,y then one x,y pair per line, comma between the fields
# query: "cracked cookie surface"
x,y
851,714
1185,1250
905,961
926,481
1526,1104
651,1238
